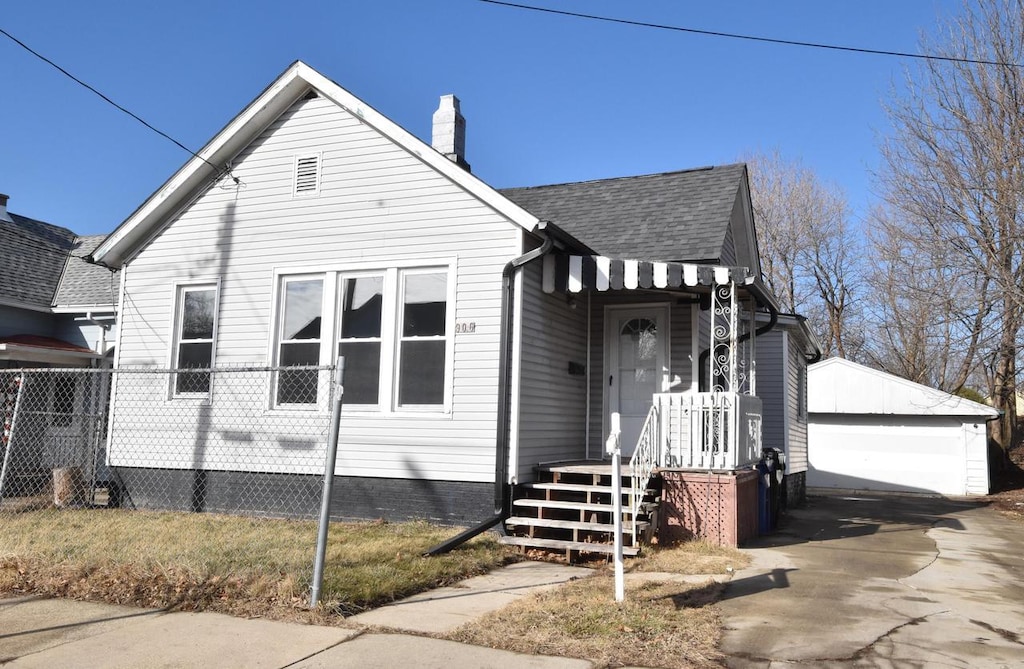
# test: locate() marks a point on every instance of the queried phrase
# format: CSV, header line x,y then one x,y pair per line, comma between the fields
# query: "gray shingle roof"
x,y
38,269
84,284
32,255
681,216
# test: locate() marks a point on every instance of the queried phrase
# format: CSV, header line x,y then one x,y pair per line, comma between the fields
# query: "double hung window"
x,y
196,317
299,339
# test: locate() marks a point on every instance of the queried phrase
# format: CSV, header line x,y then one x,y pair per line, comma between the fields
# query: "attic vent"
x,y
307,174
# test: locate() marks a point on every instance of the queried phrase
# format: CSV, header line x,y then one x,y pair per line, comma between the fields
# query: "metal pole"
x,y
325,501
615,447
10,435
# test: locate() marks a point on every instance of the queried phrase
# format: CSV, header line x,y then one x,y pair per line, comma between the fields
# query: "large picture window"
x,y
299,339
392,325
196,324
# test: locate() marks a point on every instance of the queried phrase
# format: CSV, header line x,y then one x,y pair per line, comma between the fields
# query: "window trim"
x,y
332,275
179,289
326,330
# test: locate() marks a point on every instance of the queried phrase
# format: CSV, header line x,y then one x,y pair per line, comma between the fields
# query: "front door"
x,y
636,357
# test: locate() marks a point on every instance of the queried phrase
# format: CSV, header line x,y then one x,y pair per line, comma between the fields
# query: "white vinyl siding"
x,y
796,408
378,206
552,419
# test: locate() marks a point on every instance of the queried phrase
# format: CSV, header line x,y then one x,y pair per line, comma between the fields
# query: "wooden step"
x,y
575,506
558,545
522,521
574,487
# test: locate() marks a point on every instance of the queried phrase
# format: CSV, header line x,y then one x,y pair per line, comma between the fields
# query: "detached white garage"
x,y
868,430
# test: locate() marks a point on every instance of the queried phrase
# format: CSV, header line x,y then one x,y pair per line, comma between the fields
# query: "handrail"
x,y
646,458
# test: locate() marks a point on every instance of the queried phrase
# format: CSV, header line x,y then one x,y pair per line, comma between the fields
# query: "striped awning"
x,y
574,274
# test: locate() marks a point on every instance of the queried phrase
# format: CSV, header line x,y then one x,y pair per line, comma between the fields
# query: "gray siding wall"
x,y
378,204
772,389
796,457
14,321
679,352
552,420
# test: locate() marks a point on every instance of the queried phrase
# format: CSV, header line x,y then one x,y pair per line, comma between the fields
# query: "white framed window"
x,y
393,325
298,340
423,337
361,311
195,330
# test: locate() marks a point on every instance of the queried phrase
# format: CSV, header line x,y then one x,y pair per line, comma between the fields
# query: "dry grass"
x,y
662,623
243,566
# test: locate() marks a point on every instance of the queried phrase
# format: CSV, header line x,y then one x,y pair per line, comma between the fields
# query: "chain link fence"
x,y
187,440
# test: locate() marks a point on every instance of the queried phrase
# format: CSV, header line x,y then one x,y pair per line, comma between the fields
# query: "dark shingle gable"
x,y
85,284
681,216
32,255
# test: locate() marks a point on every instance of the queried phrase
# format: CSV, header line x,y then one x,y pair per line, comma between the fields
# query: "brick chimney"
x,y
449,135
4,216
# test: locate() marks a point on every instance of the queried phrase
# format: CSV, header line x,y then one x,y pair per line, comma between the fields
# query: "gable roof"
x,y
675,216
841,386
85,284
41,269
32,255
289,87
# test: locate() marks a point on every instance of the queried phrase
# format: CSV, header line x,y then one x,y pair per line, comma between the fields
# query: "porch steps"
x,y
569,510
561,544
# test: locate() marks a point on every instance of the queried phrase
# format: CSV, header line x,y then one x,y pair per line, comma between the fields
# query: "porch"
x,y
690,475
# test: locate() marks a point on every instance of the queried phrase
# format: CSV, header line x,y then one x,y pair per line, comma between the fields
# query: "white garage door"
x,y
864,453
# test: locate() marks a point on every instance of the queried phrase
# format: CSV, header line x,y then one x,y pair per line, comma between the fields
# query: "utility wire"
x,y
752,38
111,102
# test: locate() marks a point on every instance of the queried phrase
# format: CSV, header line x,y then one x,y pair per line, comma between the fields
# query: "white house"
x,y
869,430
485,332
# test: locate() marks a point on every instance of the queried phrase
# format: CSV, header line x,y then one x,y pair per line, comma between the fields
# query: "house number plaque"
x,y
465,327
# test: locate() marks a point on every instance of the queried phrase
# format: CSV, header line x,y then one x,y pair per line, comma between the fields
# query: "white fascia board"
x,y
85,309
281,94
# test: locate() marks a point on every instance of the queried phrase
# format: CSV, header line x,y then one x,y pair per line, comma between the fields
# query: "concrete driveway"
x,y
863,581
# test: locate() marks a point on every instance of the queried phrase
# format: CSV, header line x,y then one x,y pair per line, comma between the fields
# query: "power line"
x,y
109,101
752,38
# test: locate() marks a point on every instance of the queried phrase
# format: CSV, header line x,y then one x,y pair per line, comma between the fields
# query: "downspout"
x,y
502,490
773,318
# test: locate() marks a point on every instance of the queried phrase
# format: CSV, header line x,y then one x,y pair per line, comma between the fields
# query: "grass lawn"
x,y
665,621
238,565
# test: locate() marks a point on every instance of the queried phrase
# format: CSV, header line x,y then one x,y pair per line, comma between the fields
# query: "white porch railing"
x,y
703,431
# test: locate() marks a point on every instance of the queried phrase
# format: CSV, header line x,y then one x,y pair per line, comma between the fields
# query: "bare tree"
x,y
955,166
808,248
928,313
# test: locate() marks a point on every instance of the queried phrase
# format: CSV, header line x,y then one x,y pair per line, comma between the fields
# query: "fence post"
x,y
614,448
10,434
325,501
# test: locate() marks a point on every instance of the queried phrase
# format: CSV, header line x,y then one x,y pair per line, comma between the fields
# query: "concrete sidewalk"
x,y
36,632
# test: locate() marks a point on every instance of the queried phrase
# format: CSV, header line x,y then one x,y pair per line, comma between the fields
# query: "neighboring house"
x,y
485,332
56,310
783,355
869,430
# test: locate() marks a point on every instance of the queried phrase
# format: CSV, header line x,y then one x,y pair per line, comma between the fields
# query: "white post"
x,y
614,448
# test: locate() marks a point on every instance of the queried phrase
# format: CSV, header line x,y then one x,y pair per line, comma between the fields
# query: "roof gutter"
x,y
502,489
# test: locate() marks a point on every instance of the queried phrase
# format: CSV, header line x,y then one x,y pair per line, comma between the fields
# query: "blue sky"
x,y
547,99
